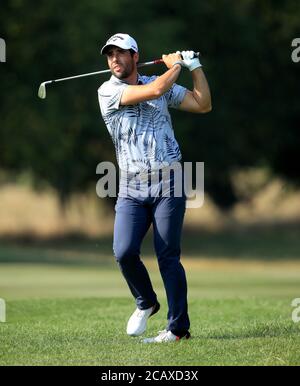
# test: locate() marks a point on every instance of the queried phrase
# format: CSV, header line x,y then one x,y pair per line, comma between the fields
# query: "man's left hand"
x,y
189,60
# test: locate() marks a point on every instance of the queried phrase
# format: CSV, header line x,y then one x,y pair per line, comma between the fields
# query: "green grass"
x,y
91,332
69,305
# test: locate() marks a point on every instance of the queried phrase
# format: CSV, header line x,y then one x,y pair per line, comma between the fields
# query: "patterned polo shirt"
x,y
142,133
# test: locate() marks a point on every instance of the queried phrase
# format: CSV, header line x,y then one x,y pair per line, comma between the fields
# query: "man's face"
x,y
120,62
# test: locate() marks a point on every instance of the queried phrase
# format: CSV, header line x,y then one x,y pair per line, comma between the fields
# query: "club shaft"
x,y
156,61
80,76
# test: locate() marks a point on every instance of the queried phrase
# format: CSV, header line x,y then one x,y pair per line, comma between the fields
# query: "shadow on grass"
x,y
270,243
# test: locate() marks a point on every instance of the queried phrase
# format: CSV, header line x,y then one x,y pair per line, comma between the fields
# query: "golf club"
x,y
42,88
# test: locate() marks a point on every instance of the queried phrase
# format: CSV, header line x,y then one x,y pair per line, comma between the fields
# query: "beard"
x,y
126,71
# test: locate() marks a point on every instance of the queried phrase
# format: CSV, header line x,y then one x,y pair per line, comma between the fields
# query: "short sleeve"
x,y
175,95
109,96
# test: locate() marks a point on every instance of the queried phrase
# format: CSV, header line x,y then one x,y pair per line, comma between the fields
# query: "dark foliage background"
x,y
246,53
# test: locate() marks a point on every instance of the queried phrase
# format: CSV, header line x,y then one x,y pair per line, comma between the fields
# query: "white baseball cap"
x,y
121,40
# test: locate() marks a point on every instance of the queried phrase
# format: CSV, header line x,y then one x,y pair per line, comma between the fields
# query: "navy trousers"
x,y
134,215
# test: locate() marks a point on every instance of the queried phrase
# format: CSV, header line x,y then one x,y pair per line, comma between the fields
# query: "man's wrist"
x,y
195,65
178,62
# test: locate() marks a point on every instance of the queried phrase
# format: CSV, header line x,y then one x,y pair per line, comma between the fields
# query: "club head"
x,y
42,90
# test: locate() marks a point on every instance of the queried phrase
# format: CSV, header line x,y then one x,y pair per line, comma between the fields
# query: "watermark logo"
x,y
2,51
296,51
195,197
296,312
175,180
2,311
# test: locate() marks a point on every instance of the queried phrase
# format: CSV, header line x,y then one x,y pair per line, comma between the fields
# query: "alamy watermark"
x,y
2,311
296,311
296,52
175,180
2,50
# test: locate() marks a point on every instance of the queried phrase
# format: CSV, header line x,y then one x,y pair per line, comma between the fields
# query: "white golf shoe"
x,y
165,337
137,323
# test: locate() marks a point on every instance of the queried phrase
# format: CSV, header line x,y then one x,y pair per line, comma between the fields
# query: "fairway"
x,y
71,308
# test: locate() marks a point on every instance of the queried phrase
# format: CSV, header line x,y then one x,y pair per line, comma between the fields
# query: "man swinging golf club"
x,y
135,111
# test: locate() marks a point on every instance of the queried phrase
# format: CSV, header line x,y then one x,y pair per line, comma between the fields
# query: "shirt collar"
x,y
140,79
120,81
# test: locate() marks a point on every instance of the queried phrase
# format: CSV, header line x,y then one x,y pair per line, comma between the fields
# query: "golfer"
x,y
135,111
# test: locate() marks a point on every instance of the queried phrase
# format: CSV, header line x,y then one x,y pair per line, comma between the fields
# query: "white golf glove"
x,y
188,60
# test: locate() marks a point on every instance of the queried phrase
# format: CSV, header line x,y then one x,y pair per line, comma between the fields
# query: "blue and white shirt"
x,y
142,134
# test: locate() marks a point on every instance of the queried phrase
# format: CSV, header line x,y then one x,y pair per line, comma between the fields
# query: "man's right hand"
x,y
133,94
171,59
